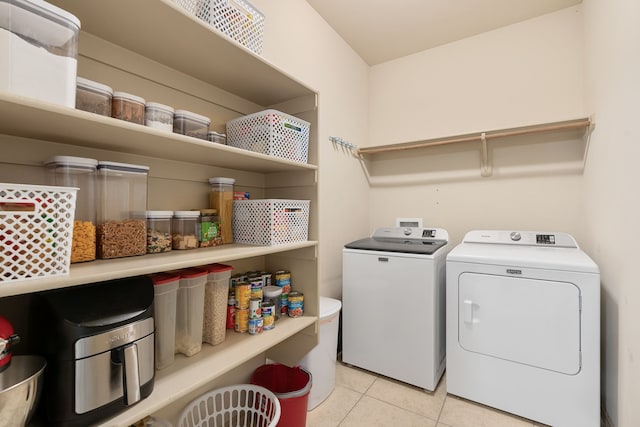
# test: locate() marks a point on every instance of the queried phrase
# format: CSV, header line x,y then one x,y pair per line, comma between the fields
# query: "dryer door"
x,y
528,321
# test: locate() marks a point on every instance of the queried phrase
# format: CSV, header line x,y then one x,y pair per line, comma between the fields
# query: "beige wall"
x,y
300,42
612,176
523,74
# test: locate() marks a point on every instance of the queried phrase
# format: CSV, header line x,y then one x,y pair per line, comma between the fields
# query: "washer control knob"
x,y
407,231
515,236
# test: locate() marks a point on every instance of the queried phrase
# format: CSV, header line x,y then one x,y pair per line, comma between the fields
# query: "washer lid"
x,y
412,240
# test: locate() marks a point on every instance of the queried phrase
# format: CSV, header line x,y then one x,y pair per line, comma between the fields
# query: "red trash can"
x,y
291,386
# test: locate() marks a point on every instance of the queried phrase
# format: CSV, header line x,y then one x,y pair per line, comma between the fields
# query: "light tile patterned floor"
x,y
362,398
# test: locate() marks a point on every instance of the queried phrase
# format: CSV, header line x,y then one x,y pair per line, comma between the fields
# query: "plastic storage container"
x,y
184,232
291,386
191,124
159,116
93,97
122,201
208,228
216,296
272,294
128,107
190,311
218,138
79,172
321,360
164,315
221,199
159,231
38,51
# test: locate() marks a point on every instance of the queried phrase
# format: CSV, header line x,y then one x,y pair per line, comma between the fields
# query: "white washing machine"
x,y
523,326
393,302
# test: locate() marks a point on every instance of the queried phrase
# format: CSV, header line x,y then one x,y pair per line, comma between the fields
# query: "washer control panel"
x,y
411,233
524,238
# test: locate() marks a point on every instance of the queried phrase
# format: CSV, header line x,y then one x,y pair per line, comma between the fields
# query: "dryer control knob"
x,y
515,236
407,231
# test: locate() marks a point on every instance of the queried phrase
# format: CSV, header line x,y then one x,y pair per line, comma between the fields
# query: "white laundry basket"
x,y
241,405
321,360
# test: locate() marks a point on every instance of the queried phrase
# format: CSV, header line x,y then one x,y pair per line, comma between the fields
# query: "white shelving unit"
x,y
158,51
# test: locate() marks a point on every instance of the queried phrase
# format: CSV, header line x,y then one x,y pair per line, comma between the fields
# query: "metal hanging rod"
x,y
483,136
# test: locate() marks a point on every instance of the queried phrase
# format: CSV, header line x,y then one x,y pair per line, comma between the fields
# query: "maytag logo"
x,y
513,271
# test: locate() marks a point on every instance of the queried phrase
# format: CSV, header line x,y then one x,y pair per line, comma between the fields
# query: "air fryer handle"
x,y
131,375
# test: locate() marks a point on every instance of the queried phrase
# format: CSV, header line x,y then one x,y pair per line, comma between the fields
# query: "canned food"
x,y
266,278
284,304
256,286
256,326
242,320
236,278
255,305
231,313
243,294
283,279
268,315
296,304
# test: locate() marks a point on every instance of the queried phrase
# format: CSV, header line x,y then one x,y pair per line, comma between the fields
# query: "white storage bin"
x,y
270,221
271,132
36,228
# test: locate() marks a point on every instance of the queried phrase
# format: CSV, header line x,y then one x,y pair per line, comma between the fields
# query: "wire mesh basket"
x,y
237,19
271,132
241,405
270,221
36,228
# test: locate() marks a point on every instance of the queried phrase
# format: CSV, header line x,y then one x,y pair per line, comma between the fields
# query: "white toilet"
x,y
321,360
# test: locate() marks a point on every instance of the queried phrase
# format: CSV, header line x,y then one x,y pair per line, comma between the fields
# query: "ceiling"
x,y
382,30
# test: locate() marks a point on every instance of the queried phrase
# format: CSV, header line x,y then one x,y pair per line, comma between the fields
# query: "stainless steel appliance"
x,y
99,346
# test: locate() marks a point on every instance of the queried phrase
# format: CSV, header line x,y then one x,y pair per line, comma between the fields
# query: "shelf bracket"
x,y
486,169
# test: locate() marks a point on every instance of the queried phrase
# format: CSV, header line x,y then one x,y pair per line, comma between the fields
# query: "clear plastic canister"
x,y
191,124
221,199
216,298
159,116
159,231
122,201
272,295
128,107
93,97
164,315
38,51
190,311
218,138
80,172
184,231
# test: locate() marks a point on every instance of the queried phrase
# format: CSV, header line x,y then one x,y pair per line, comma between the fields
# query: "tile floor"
x,y
362,398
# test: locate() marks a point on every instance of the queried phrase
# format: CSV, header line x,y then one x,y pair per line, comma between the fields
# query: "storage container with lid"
x,y
159,231
159,116
122,196
38,51
184,229
221,199
93,97
219,138
190,311
80,172
272,295
208,228
164,315
128,107
216,297
191,124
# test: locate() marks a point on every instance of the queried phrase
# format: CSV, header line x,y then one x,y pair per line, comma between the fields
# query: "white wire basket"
x,y
237,19
271,132
241,405
36,228
270,221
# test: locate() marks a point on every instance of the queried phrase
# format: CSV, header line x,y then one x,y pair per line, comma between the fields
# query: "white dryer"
x,y
523,326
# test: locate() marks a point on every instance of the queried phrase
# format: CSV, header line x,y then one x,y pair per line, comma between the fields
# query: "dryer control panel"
x,y
523,238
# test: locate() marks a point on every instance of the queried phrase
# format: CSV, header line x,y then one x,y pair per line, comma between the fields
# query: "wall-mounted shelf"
x,y
483,138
